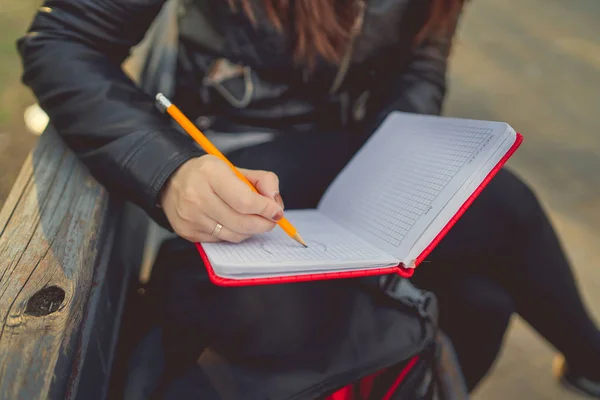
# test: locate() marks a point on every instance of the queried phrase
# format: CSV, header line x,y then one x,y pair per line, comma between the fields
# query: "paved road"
x,y
536,65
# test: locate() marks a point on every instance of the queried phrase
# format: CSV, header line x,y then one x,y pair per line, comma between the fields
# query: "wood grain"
x,y
56,235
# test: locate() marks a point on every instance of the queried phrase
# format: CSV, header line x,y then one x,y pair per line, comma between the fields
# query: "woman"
x,y
299,85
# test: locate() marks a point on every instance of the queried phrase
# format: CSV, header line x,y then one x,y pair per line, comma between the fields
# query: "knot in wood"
x,y
45,302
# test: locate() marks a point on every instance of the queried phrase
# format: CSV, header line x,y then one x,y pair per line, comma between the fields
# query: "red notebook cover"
x,y
399,269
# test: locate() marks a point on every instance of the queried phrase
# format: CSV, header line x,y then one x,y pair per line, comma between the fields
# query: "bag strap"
x,y
402,290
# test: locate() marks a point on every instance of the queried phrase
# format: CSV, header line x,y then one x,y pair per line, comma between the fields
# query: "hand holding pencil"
x,y
208,199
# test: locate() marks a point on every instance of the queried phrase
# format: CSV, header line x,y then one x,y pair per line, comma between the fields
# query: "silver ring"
x,y
217,230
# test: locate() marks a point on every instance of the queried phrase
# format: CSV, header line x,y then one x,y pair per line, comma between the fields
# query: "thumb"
x,y
266,182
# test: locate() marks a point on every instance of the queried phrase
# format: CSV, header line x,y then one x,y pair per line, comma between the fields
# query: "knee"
x,y
486,301
482,302
516,202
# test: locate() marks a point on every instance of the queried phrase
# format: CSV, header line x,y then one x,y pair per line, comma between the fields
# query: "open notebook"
x,y
385,211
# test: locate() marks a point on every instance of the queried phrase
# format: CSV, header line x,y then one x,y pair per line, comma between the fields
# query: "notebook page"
x,y
405,174
461,196
330,247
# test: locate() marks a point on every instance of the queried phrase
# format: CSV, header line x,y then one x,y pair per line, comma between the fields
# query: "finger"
x,y
192,234
266,182
226,234
245,224
279,200
238,195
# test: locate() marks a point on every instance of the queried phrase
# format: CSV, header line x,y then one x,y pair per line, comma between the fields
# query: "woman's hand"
x,y
205,192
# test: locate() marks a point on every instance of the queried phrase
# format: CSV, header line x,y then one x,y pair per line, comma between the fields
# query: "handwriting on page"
x,y
400,183
270,249
326,242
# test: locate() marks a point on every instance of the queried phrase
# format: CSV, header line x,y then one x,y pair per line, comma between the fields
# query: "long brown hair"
x,y
324,27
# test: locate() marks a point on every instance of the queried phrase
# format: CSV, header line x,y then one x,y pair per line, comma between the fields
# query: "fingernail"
x,y
278,199
278,215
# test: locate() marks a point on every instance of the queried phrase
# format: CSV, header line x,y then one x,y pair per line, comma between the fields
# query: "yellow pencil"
x,y
199,137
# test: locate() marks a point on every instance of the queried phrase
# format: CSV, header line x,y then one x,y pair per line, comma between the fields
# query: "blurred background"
x,y
15,139
536,65
532,63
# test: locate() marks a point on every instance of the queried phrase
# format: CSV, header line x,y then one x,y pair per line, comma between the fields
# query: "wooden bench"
x,y
70,256
67,252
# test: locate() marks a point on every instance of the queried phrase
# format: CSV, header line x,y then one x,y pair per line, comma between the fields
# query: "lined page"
x,y
329,246
448,212
402,178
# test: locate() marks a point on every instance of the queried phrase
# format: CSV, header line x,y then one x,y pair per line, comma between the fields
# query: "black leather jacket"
x,y
74,49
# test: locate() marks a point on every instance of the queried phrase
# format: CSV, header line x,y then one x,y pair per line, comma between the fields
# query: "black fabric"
x,y
504,255
474,314
501,257
410,379
397,73
293,341
277,339
72,59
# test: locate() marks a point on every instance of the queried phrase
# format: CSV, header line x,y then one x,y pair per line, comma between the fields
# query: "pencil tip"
x,y
299,239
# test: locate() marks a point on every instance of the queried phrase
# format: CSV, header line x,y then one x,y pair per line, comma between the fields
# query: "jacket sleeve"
x,y
72,56
421,87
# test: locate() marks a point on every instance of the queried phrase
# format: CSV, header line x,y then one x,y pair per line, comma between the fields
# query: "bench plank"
x,y
57,230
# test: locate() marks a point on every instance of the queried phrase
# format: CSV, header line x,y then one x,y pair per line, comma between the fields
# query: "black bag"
x,y
408,369
433,373
411,379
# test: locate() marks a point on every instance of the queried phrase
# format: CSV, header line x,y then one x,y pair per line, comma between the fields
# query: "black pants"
x,y
501,257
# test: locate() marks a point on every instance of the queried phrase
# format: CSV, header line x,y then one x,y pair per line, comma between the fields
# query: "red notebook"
x,y
384,213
